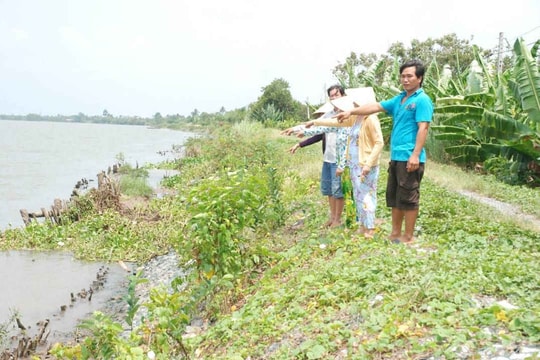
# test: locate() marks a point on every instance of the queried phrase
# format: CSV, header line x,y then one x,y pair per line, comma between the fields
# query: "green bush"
x,y
134,181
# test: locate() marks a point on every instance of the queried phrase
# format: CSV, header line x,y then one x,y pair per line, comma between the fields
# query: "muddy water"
x,y
37,284
42,161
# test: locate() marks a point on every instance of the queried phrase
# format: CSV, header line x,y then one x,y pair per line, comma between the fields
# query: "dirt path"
x,y
528,221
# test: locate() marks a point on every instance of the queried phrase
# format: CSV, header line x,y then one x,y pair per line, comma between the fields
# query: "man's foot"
x,y
406,239
402,240
394,236
328,223
335,224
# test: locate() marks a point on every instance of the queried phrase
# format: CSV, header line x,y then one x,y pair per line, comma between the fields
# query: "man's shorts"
x,y
330,183
403,188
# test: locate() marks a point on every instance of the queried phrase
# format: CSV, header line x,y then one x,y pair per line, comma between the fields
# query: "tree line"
x,y
487,106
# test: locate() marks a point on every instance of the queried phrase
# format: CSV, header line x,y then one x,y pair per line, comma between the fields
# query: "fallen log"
x,y
52,215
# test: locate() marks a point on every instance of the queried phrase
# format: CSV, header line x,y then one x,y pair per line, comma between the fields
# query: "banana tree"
x,y
503,120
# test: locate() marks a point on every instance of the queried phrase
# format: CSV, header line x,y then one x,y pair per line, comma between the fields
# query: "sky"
x,y
140,57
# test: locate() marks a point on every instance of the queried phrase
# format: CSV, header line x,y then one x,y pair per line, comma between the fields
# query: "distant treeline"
x,y
106,119
170,121
174,121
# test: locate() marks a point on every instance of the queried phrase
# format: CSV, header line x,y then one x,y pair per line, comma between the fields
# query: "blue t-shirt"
x,y
417,108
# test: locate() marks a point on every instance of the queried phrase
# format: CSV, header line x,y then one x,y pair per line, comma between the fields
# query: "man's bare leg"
x,y
397,223
410,221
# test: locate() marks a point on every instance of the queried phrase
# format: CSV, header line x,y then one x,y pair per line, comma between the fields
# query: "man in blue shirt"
x,y
411,111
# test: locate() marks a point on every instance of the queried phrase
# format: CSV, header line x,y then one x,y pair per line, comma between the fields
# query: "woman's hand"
x,y
365,170
293,149
288,131
342,116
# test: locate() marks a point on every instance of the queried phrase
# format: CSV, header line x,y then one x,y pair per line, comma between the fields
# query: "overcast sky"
x,y
139,57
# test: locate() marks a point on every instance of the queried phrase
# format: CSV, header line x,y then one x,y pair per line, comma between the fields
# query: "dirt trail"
x,y
511,210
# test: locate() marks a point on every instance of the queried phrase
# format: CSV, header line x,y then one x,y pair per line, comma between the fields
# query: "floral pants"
x,y
365,195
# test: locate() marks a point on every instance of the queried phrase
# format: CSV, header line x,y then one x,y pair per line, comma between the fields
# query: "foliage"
x,y
168,316
192,122
299,291
350,205
448,49
269,114
220,209
105,341
525,82
276,103
131,298
133,181
499,122
480,113
80,207
370,299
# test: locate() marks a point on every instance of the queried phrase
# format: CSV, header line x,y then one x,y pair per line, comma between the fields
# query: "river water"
x,y
54,286
41,161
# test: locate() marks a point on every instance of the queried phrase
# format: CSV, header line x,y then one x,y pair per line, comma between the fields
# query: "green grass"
x,y
371,299
311,293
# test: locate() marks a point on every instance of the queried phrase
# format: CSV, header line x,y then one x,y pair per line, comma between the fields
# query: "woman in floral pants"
x,y
362,155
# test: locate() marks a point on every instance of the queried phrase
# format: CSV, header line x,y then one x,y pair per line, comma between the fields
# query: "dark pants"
x,y
403,188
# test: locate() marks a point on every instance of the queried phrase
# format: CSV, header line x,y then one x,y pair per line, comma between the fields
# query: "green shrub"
x,y
134,182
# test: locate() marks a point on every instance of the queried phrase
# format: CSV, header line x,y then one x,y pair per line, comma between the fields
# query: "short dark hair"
x,y
419,67
339,88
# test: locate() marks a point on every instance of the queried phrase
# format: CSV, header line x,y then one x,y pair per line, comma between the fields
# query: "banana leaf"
x,y
487,73
450,100
448,132
504,127
527,80
467,153
471,110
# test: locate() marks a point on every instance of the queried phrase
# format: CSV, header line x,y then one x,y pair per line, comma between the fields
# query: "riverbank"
x,y
273,283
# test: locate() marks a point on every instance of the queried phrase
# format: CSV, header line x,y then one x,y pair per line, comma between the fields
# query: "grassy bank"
x,y
268,282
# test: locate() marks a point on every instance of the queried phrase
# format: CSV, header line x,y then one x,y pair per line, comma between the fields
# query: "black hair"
x,y
339,88
420,69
